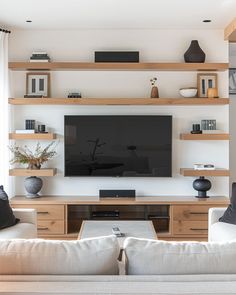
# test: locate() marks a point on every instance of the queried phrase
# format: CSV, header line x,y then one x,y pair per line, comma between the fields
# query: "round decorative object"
x,y
188,92
194,53
202,185
33,185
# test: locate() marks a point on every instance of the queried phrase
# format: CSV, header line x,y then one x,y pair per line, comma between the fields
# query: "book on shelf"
x,y
25,131
213,132
39,60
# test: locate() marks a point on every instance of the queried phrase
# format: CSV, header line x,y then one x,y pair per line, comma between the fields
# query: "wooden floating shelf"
x,y
218,136
192,172
151,66
34,136
119,101
29,172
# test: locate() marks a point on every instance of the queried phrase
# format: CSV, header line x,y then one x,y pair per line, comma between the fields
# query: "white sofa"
x,y
219,231
25,229
142,256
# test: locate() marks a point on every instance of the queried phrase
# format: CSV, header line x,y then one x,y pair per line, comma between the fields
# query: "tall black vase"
x,y
194,53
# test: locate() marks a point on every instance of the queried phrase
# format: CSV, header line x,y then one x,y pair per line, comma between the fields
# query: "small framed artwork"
x,y
232,81
205,81
38,84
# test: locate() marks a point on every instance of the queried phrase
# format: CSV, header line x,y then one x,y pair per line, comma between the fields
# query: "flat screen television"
x,y
123,146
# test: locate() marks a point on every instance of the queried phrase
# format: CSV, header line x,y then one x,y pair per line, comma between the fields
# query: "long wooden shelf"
x,y
29,172
150,66
192,172
34,136
119,101
218,136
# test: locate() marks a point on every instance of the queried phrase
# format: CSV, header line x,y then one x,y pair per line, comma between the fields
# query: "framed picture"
x,y
205,81
232,81
38,84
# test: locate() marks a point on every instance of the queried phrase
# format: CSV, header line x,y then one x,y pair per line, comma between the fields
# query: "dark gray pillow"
x,y
230,213
7,217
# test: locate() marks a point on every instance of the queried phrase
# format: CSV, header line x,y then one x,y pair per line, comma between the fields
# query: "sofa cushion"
x,y
151,257
97,256
221,231
7,217
229,215
19,231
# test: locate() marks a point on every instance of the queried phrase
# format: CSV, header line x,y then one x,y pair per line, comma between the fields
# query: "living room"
x,y
117,133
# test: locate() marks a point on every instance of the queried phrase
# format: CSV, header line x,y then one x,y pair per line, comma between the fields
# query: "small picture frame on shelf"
x,y
38,84
205,81
232,81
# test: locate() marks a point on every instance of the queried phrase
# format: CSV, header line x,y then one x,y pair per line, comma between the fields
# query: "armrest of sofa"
x,y
214,214
26,215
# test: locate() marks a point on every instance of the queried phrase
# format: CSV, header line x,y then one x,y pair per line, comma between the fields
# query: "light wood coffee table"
x,y
130,228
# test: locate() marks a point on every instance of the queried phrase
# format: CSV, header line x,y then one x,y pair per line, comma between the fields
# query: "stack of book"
x,y
39,56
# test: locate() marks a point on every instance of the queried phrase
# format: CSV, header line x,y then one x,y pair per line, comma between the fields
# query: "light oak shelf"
x,y
119,101
189,136
192,172
34,136
29,172
150,66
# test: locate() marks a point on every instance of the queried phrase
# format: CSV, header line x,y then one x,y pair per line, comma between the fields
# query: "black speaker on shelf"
x,y
105,193
116,56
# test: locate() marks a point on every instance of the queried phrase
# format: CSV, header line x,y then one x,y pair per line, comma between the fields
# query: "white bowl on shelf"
x,y
188,92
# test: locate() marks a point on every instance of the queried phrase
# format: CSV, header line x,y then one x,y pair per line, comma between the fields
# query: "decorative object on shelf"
x,y
204,167
41,129
188,91
116,56
33,185
25,131
202,185
212,93
74,95
196,129
154,90
232,81
39,56
194,53
208,124
30,124
205,81
38,83
33,96
24,155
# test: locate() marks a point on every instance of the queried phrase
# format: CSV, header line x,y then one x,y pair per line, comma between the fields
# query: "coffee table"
x,y
130,228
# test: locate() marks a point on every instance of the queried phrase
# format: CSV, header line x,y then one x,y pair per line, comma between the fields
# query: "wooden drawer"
x,y
190,227
46,212
50,227
195,212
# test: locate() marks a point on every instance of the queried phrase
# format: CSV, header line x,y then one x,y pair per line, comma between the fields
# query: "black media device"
x,y
118,146
116,56
117,193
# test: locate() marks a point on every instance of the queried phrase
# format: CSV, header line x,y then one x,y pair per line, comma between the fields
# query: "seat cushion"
x,y
19,231
150,257
97,256
221,231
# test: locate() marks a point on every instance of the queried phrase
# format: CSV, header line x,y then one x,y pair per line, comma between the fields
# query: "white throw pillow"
x,y
151,257
97,256
221,231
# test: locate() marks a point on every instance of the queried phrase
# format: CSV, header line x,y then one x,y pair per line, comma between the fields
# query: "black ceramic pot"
x,y
202,185
194,53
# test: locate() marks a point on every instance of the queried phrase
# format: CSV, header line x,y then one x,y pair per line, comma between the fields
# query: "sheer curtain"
x,y
4,118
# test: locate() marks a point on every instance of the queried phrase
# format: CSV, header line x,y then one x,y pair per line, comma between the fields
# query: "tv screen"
x,y
129,146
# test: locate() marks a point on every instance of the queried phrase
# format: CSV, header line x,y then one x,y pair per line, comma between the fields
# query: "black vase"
x,y
194,53
202,185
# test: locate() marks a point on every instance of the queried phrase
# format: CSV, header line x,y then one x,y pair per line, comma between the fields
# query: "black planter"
x,y
202,185
194,53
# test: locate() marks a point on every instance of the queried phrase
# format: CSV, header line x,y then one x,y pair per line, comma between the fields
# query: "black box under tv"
x,y
116,56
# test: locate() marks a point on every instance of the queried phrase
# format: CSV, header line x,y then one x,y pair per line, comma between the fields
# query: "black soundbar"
x,y
117,193
116,56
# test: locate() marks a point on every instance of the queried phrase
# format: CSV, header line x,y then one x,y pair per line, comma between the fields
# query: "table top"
x,y
130,228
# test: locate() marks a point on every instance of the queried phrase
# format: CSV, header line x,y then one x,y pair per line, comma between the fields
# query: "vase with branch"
x,y
154,90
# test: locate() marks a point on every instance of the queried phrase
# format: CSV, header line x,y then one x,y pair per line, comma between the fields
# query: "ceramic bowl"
x,y
188,92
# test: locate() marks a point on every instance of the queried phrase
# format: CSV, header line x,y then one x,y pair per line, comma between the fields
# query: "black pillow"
x,y
230,213
7,217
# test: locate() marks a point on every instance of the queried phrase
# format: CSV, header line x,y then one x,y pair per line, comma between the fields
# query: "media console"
x,y
174,217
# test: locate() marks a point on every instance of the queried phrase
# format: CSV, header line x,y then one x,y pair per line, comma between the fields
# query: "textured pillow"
x,y
7,217
97,256
230,213
152,257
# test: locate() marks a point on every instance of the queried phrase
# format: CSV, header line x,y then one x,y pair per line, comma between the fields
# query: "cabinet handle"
x,y
43,228
42,212
198,228
198,213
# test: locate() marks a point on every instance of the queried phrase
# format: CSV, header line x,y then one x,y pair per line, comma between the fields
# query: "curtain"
x,y
4,117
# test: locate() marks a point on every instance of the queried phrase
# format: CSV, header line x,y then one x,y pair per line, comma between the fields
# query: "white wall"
x,y
154,45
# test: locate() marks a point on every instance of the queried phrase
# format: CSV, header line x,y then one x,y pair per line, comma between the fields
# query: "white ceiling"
x,y
116,14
